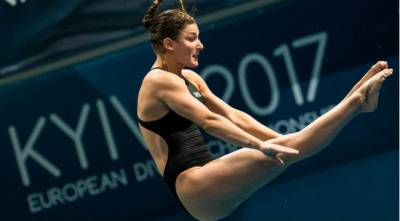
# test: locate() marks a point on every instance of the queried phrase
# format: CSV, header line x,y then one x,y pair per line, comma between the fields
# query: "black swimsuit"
x,y
186,147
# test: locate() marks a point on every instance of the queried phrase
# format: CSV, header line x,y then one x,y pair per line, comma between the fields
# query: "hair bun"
x,y
150,14
147,21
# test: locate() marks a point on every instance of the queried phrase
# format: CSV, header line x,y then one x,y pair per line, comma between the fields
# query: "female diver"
x,y
174,102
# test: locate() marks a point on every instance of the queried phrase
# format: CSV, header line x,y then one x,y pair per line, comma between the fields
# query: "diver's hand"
x,y
272,151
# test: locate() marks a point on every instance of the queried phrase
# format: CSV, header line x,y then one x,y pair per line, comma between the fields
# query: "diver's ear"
x,y
168,44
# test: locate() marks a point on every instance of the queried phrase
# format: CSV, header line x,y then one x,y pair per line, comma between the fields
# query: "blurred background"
x,y
70,71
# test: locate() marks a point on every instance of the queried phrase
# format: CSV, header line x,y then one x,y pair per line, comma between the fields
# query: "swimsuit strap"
x,y
183,77
153,68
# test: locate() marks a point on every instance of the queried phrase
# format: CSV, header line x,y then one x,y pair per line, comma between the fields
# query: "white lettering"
x,y
321,38
273,83
105,123
14,2
292,124
55,196
144,170
11,2
121,177
33,203
91,183
71,195
127,119
22,155
226,74
294,82
76,136
73,191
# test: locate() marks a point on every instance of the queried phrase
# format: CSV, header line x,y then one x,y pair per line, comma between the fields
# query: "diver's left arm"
x,y
239,118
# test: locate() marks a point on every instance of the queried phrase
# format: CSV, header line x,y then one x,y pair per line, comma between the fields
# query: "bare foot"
x,y
368,93
375,69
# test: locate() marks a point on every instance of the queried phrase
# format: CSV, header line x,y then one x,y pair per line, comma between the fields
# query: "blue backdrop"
x,y
70,146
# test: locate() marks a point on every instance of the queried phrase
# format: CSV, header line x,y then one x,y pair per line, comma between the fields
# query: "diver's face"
x,y
187,46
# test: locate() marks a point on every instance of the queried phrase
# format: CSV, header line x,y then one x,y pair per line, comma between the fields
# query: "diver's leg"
x,y
216,189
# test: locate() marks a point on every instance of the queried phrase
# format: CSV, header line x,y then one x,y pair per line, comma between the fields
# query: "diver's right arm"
x,y
173,92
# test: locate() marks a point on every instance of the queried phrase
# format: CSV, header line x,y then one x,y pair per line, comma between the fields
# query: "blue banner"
x,y
71,148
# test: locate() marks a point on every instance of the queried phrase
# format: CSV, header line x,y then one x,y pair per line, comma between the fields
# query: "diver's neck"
x,y
168,65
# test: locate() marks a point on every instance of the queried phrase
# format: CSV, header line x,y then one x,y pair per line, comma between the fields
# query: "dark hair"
x,y
166,24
